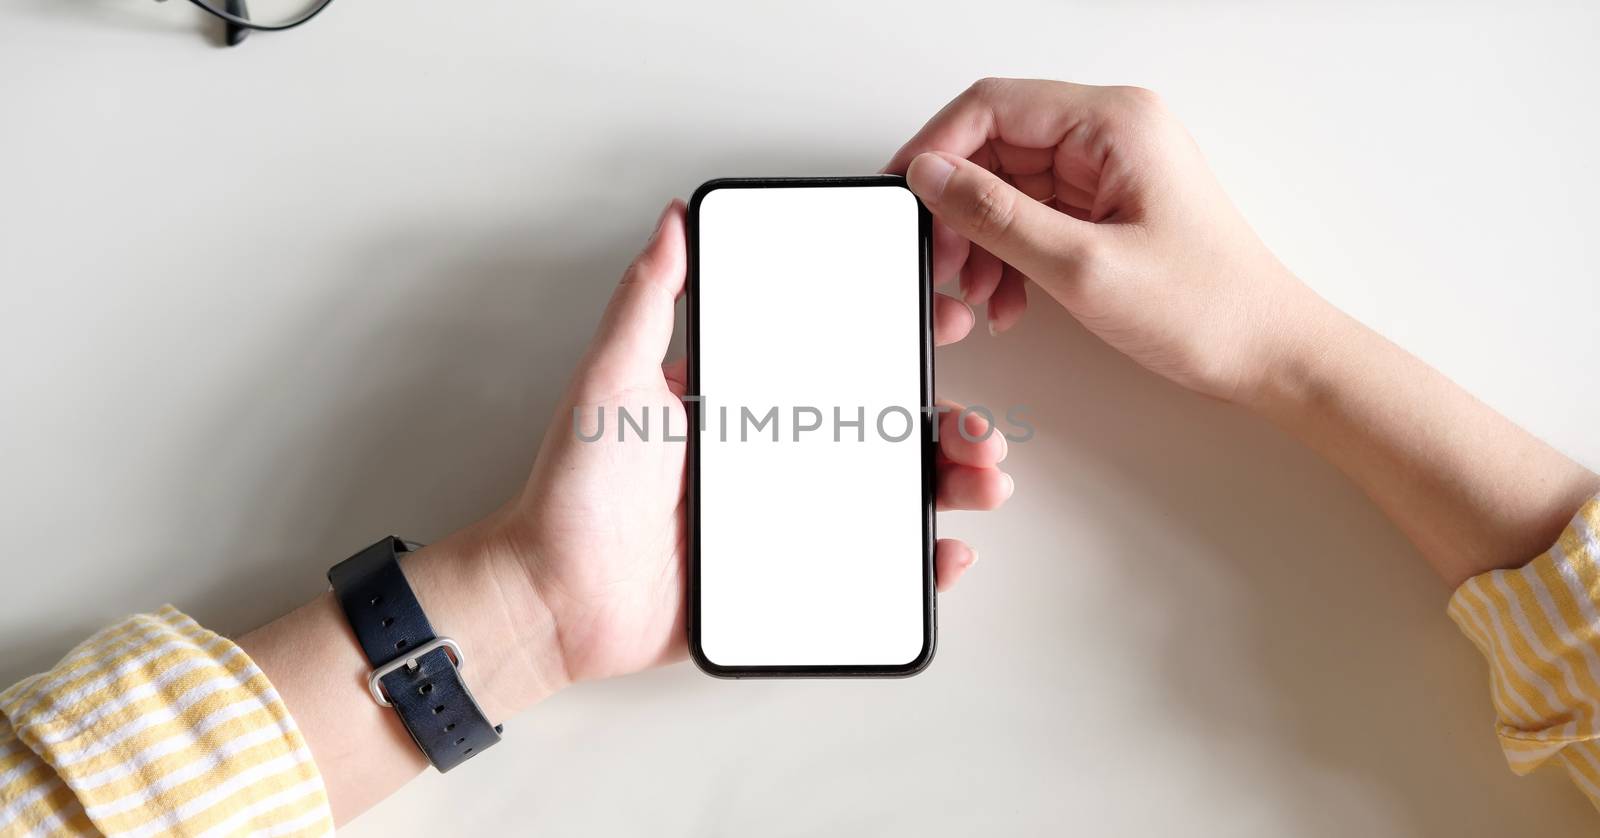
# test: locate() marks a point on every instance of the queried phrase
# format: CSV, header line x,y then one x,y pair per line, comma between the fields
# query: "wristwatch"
x,y
414,670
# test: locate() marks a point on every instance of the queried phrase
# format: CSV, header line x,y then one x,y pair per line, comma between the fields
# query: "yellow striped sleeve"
x,y
155,726
1539,628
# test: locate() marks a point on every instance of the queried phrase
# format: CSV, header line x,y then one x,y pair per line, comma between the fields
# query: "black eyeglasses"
x,y
269,16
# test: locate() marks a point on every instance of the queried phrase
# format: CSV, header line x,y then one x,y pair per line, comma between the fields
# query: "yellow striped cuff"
x,y
156,726
1539,628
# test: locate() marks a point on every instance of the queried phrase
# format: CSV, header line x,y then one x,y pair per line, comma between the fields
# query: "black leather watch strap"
x,y
414,670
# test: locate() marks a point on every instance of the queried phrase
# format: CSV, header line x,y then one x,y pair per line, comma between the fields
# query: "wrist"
x,y
1303,364
474,589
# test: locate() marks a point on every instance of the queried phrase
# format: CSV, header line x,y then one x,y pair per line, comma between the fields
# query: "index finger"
x,y
1029,113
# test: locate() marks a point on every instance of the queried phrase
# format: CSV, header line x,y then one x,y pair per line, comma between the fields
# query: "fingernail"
x,y
972,557
928,175
1011,485
992,330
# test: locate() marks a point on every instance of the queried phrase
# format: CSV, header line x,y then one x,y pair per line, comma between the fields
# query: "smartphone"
x,y
810,446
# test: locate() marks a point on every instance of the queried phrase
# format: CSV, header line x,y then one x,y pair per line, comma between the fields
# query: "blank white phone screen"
x,y
811,527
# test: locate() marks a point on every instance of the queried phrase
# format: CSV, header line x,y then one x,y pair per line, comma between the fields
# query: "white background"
x,y
261,306
811,544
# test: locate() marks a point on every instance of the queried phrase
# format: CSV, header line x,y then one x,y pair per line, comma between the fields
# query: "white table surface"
x,y
262,305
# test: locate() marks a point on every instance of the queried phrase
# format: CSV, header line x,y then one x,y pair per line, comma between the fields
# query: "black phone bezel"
x,y
929,473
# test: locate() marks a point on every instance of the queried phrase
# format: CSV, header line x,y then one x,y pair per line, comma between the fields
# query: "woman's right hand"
x,y
1100,197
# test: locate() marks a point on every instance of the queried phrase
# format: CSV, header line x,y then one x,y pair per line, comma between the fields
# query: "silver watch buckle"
x,y
409,661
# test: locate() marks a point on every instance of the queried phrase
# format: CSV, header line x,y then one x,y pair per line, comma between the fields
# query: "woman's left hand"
x,y
600,529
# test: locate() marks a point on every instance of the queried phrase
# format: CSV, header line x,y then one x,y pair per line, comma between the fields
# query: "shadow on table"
x,y
1280,608
447,357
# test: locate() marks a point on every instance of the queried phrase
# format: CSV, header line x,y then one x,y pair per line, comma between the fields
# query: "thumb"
x,y
637,327
991,213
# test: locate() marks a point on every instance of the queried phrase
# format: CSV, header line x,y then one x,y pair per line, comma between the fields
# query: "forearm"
x,y
472,591
1469,488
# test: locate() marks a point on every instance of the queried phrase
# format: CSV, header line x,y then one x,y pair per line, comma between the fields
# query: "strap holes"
x,y
467,751
400,645
449,727
462,739
388,621
377,600
437,709
425,689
